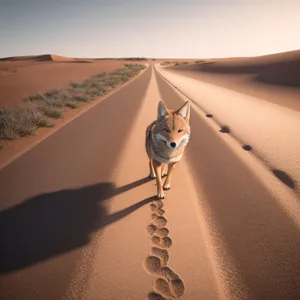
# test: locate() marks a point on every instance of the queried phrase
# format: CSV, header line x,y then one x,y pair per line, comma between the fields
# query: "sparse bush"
x,y
72,104
34,97
45,123
52,111
125,78
135,67
88,83
24,120
81,98
20,121
111,84
100,93
56,94
135,58
102,88
54,102
75,85
95,83
101,75
94,92
181,63
76,91
128,65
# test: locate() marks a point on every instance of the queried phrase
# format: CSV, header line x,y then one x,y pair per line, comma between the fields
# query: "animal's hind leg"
x,y
152,172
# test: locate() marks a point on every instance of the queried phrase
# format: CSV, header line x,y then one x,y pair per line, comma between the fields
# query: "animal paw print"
x,y
167,285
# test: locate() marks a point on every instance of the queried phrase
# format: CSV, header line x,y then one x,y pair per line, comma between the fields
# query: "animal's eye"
x,y
179,130
166,130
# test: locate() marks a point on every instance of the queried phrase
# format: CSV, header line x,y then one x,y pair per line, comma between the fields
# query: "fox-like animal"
x,y
166,139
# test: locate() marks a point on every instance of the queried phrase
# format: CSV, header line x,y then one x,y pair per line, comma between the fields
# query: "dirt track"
x,y
75,211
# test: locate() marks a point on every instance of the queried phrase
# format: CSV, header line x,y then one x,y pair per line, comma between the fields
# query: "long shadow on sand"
x,y
53,223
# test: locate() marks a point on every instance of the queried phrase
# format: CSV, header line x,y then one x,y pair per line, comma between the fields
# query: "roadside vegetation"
x,y
38,110
181,63
134,58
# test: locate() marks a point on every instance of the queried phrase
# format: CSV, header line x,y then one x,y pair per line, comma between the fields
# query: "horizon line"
x,y
140,57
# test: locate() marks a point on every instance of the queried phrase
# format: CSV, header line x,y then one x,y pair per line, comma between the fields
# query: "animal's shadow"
x,y
54,223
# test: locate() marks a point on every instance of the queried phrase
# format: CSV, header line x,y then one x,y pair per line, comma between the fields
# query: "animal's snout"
x,y
173,145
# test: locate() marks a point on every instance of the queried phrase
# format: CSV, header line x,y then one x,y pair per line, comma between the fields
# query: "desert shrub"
x,y
34,98
71,104
24,120
20,121
52,111
81,98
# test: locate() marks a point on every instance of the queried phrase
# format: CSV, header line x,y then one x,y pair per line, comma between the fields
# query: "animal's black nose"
x,y
173,144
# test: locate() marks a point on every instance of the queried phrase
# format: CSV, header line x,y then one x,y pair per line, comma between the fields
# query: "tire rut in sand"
x,y
167,285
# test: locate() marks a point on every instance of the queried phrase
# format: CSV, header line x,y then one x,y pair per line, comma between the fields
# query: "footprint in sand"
x,y
159,221
155,296
162,254
157,211
167,284
162,232
164,242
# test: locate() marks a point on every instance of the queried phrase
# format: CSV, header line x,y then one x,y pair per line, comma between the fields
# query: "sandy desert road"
x,y
77,213
272,130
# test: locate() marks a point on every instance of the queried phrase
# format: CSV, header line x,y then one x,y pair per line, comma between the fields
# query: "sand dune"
x,y
275,77
16,58
58,58
52,57
45,57
280,68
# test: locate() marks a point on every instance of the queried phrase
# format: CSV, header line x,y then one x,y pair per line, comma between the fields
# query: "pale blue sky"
x,y
156,28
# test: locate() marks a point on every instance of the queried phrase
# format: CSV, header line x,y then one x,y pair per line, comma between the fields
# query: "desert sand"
x,y
26,76
271,130
274,78
10,149
79,218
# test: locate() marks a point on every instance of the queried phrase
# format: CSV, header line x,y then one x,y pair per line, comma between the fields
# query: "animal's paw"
x,y
161,195
166,187
152,176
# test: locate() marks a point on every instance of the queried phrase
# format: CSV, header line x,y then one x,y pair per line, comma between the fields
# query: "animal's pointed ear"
x,y
184,110
162,110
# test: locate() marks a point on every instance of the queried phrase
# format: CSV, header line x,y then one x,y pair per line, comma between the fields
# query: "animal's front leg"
x,y
167,184
157,168
164,170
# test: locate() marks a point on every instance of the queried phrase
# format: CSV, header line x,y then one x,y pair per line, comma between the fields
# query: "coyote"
x,y
166,139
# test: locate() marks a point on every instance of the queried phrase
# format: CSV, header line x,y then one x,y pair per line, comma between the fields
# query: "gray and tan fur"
x,y
166,139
